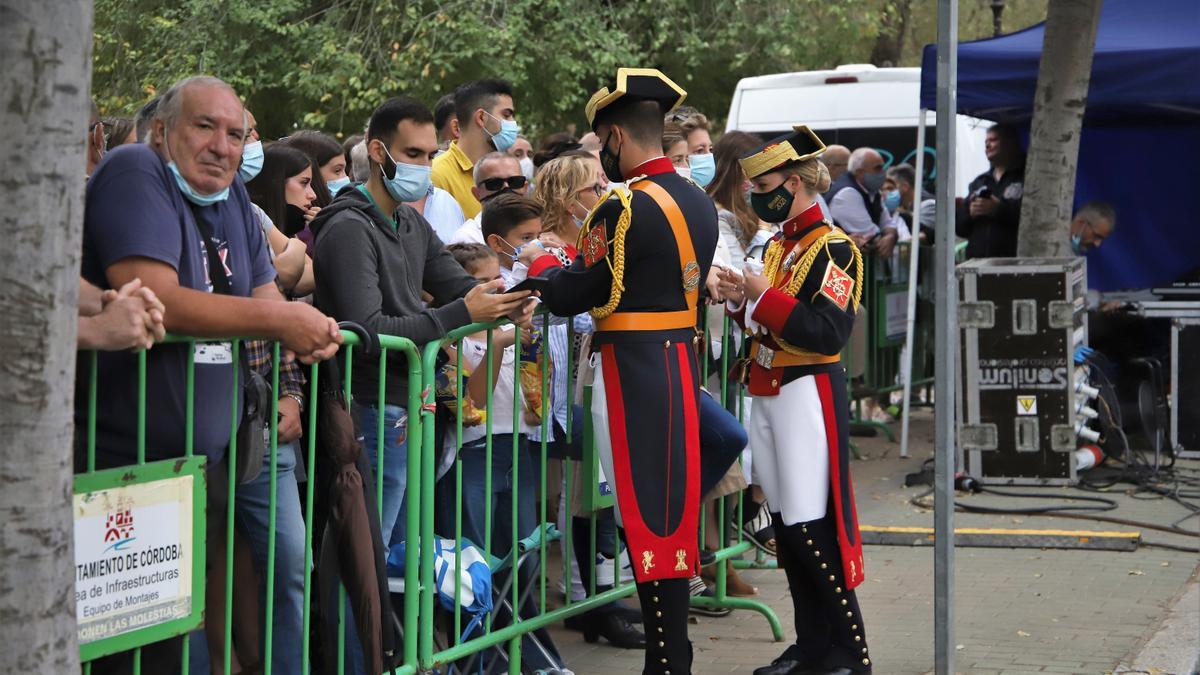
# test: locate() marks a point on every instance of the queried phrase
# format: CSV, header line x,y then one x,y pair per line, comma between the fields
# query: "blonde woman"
x,y
568,188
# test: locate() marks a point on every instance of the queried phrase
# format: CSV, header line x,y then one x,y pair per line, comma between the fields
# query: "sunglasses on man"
x,y
512,183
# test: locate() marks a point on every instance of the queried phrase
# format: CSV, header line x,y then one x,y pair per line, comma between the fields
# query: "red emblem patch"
x,y
595,245
837,285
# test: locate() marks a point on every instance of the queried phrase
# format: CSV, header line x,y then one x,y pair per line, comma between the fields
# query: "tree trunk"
x,y
46,48
1058,106
889,46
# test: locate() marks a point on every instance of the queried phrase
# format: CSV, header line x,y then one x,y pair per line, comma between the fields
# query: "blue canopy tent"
x,y
1141,133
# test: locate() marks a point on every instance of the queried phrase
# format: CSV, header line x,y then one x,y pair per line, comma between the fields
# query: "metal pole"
x,y
946,328
914,252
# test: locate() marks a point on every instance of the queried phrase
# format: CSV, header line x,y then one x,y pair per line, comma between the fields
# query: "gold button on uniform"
x,y
866,662
858,638
831,577
849,614
658,614
809,542
843,602
823,565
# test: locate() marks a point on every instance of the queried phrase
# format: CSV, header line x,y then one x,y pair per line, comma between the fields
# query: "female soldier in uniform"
x,y
799,312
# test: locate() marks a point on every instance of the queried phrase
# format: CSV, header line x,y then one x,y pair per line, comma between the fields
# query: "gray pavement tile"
x,y
1084,611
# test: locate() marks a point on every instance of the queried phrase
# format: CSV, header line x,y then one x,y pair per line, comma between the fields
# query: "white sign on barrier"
x,y
133,557
896,315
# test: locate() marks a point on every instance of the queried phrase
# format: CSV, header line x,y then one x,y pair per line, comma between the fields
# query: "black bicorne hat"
x,y
646,84
784,151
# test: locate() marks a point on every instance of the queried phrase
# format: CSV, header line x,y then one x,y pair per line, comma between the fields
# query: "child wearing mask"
x,y
511,227
511,222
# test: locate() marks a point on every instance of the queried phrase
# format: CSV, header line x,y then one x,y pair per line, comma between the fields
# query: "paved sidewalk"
x,y
1018,610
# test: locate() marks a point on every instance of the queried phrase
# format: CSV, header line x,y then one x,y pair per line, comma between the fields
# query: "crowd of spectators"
x,y
197,226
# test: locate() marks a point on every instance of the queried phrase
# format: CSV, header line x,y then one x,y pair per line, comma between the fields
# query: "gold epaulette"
x,y
615,257
772,260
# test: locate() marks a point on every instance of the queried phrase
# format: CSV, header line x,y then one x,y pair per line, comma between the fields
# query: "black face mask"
x,y
293,220
611,162
773,206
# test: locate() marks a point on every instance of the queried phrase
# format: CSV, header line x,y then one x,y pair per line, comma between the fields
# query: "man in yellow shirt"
x,y
486,123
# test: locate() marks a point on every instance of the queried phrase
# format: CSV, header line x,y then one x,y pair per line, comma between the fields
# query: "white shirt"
x,y
474,353
443,213
850,212
471,232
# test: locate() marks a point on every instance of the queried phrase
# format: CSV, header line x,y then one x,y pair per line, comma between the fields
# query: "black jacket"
x,y
372,273
993,236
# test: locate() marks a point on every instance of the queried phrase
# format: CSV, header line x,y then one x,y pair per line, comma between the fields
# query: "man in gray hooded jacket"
x,y
374,255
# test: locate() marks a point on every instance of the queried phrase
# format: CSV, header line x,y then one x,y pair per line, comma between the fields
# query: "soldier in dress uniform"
x,y
799,312
644,251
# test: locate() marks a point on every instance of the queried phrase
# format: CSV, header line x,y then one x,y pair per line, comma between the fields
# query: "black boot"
x,y
791,662
812,630
665,612
614,627
828,604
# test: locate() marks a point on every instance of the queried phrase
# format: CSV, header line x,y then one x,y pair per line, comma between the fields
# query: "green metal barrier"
x,y
491,639
733,547
884,301
422,621
388,345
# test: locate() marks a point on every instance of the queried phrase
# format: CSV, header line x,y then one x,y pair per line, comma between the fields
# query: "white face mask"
x,y
517,274
685,171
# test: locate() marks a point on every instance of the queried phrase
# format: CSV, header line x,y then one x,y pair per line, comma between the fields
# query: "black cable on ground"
x,y
1172,547
1147,480
1058,512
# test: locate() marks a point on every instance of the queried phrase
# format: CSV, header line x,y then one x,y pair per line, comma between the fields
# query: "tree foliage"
x,y
328,63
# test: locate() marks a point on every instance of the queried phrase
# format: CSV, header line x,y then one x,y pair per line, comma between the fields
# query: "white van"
x,y
856,105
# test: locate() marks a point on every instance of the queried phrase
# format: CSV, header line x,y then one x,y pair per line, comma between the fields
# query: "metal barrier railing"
x,y
440,635
873,357
526,549
92,654
732,549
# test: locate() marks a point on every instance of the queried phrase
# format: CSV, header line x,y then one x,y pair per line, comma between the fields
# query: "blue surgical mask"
x,y
189,192
410,181
891,199
873,181
704,168
252,161
509,130
335,186
516,250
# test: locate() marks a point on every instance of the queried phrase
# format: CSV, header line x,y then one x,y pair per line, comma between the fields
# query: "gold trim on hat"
x,y
606,97
775,156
